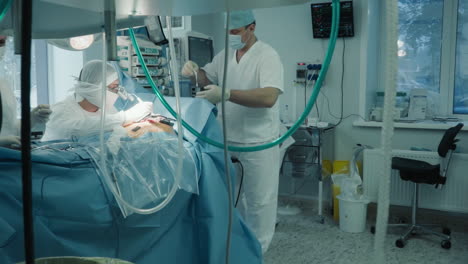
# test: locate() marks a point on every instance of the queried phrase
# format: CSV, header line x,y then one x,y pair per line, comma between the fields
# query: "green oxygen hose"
x,y
295,126
4,7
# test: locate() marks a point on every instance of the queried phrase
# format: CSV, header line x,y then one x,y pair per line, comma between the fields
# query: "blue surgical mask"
x,y
235,41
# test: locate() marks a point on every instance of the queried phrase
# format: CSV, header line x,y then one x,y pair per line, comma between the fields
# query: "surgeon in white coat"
x,y
10,125
80,113
254,82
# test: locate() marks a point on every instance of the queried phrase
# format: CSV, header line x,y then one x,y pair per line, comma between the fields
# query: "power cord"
x,y
342,80
311,77
318,114
341,117
329,111
235,160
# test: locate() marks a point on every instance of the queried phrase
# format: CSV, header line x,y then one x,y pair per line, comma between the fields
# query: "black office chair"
x,y
422,172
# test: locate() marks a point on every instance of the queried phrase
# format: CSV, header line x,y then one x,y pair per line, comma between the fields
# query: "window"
x,y
419,44
432,54
177,22
460,94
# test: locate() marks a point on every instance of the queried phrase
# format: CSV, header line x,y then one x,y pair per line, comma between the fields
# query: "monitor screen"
x,y
200,50
322,15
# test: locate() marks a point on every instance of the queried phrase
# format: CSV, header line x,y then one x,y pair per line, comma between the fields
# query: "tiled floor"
x,y
301,239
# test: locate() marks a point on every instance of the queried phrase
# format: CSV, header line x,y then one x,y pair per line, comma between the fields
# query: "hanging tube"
x,y
26,179
4,7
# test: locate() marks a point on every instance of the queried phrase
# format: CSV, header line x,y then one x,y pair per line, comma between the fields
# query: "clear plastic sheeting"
x,y
10,71
391,65
141,172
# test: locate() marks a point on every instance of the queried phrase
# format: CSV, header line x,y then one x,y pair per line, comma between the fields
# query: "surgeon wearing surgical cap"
x,y
254,82
80,114
9,124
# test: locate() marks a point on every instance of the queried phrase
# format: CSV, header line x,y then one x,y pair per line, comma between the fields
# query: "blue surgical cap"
x,y
241,18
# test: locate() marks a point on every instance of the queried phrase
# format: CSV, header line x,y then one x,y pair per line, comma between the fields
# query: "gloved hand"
x,y
7,141
137,112
213,93
189,68
40,114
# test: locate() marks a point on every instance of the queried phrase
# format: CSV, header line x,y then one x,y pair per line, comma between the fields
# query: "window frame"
x,y
449,57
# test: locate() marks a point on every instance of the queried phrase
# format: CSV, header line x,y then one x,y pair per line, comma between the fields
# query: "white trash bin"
x,y
353,214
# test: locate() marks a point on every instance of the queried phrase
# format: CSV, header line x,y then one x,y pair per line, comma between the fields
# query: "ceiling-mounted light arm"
x,y
110,29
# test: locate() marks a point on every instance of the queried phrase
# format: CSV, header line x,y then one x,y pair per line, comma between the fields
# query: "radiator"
x,y
452,197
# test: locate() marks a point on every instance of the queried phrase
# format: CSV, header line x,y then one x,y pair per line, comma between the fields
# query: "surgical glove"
x,y
40,114
213,93
138,112
189,68
7,141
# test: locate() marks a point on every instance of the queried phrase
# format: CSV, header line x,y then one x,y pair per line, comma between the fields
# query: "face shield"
x,y
89,84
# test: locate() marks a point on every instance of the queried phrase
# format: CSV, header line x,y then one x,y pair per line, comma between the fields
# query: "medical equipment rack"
x,y
309,158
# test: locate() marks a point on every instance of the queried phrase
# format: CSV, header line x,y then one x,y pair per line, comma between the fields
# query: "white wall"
x,y
211,25
63,66
289,31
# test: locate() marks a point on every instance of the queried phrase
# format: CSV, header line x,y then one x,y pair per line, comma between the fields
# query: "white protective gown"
x,y
258,68
69,120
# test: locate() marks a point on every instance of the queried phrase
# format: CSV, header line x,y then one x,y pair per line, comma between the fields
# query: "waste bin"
x,y
353,214
340,170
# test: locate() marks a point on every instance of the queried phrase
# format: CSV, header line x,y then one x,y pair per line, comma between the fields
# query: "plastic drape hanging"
x,y
142,172
391,64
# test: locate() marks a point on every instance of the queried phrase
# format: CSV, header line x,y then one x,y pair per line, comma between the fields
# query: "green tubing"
x,y
4,7
296,125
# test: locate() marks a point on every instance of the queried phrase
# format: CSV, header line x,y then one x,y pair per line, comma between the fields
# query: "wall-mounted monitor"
x,y
322,16
200,50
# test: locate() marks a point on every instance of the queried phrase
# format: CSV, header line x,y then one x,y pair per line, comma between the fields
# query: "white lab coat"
x,y
260,67
69,120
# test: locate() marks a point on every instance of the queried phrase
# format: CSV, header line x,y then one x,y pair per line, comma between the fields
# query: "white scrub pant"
x,y
259,194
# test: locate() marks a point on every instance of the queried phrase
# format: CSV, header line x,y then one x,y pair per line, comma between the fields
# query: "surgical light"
x,y
81,42
74,43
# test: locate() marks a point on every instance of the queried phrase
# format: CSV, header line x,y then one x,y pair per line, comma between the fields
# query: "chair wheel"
x,y
372,229
446,231
446,244
400,243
